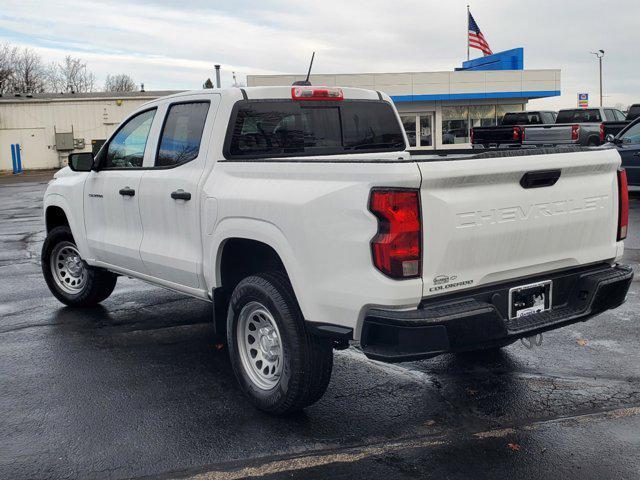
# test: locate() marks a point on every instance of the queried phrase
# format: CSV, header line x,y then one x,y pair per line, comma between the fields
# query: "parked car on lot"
x,y
300,215
613,128
576,126
628,144
509,133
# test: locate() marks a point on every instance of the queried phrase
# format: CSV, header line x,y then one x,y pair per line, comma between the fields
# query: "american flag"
x,y
476,39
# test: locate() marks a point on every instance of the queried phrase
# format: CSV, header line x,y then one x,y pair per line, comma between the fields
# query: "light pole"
x,y
600,54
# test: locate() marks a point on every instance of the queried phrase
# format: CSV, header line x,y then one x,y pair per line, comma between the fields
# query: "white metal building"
x,y
438,109
50,126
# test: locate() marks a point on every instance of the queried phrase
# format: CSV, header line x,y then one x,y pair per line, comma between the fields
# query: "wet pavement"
x,y
139,388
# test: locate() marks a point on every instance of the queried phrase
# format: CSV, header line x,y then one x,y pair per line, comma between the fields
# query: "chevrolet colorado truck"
x,y
299,214
509,133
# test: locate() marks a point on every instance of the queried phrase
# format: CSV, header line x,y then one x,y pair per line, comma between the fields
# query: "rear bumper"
x,y
478,318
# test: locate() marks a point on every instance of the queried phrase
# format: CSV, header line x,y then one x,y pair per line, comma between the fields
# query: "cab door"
x,y
170,192
112,194
630,152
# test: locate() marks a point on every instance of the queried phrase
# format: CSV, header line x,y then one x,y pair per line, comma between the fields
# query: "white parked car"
x,y
298,213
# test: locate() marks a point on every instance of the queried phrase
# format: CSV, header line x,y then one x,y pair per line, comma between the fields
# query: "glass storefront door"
x,y
419,128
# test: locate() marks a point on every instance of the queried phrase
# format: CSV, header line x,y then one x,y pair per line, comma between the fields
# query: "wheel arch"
x,y
259,246
57,212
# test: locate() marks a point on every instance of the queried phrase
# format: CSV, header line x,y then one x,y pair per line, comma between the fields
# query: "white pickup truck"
x,y
298,213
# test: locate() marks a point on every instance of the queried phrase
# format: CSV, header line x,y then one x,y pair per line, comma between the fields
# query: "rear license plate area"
x,y
530,299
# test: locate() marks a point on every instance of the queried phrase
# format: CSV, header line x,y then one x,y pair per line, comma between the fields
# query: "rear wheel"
x,y
69,278
280,367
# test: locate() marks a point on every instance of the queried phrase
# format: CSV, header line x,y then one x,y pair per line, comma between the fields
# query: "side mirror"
x,y
610,138
81,162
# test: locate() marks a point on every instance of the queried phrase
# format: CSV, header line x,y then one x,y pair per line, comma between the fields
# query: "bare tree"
x,y
120,83
8,61
70,75
29,74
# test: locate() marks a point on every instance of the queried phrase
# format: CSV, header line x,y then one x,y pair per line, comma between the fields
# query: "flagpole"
x,y
468,13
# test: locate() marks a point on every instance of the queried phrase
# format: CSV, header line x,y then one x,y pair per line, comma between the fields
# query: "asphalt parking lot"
x,y
140,387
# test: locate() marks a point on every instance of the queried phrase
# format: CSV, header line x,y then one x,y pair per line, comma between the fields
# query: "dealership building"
x,y
438,109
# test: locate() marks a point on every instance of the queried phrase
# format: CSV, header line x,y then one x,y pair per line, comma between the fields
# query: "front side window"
x,y
632,136
182,133
126,149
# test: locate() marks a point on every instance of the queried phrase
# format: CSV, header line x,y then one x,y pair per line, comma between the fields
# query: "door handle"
x,y
127,192
180,195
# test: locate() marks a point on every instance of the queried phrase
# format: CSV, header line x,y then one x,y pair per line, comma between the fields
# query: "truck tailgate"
x,y
481,226
547,134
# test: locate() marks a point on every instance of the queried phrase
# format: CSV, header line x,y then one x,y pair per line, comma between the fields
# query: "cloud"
x,y
175,45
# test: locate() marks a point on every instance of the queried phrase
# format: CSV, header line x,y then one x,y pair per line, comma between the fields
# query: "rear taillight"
x,y
316,93
396,248
575,132
602,133
517,131
471,134
623,204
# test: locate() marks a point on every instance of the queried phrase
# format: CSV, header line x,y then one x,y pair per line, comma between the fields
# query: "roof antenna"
x,y
306,82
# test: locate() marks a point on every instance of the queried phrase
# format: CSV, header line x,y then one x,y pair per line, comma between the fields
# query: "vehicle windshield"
x,y
579,115
279,128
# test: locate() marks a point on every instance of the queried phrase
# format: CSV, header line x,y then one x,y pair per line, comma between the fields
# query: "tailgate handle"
x,y
541,178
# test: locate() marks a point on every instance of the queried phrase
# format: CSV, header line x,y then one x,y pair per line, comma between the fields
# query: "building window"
x,y
482,115
455,125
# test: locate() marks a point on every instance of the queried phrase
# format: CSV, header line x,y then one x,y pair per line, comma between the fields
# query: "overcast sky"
x,y
174,45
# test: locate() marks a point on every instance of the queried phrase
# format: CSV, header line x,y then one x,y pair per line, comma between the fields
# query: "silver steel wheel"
x,y
260,345
67,268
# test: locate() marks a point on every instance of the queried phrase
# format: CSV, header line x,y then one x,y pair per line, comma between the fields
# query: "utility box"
x,y
64,141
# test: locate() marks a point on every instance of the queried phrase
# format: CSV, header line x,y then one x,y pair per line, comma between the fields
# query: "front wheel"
x,y
69,278
280,367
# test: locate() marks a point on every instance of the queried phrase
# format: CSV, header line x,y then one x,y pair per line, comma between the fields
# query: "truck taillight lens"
x,y
316,93
602,133
575,132
397,247
517,131
623,204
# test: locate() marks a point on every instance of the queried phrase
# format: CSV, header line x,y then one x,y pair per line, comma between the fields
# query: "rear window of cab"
x,y
281,128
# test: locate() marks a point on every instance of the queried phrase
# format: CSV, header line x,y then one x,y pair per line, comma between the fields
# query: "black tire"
x,y
98,284
307,360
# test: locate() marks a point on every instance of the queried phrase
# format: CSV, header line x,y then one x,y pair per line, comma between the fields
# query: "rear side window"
x,y
634,112
279,128
522,118
584,115
181,134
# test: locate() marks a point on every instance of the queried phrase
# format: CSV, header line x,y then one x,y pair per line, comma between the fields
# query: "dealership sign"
x,y
583,100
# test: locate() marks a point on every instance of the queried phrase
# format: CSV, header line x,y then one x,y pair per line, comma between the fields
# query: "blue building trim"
x,y
475,96
507,60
